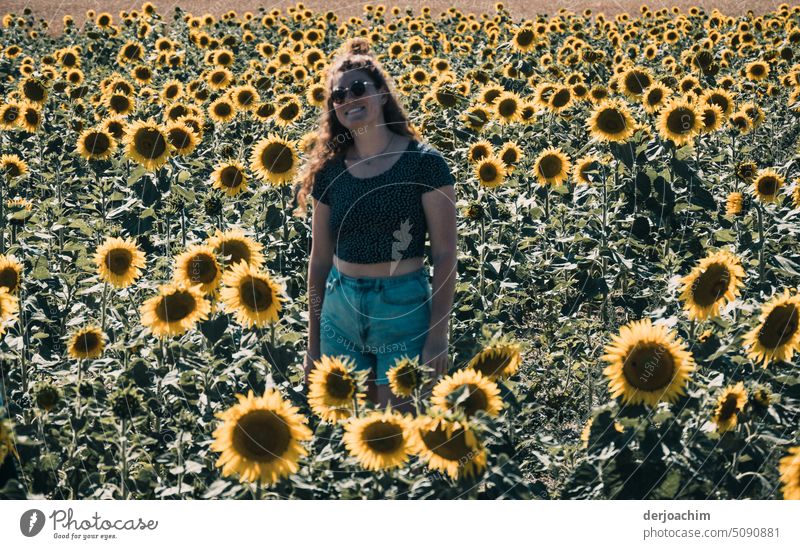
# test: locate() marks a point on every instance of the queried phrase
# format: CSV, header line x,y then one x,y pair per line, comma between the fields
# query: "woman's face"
x,y
359,112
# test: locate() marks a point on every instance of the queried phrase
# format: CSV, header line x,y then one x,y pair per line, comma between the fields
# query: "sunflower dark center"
x,y
476,399
33,90
488,172
176,306
383,437
277,158
779,327
767,185
97,142
222,109
452,448
407,377
560,98
655,96
10,114
246,97
636,82
289,111
729,407
649,367
507,107
202,269
119,260
681,120
150,143
231,177
12,169
711,285
611,121
87,342
9,279
525,37
551,166
261,435
492,365
179,138
339,385
255,294
236,249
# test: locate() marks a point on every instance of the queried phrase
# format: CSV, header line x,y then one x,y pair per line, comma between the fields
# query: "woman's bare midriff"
x,y
375,270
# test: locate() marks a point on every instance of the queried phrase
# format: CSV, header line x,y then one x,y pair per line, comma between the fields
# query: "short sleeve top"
x,y
381,218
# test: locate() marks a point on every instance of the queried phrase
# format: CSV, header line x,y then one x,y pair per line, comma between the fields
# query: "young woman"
x,y
377,190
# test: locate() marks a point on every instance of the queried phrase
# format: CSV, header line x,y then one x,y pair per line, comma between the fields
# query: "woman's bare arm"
x,y
319,265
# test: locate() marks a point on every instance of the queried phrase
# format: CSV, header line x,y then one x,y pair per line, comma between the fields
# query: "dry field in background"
x,y
54,10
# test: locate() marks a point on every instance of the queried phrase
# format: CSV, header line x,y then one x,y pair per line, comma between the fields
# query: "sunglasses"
x,y
357,89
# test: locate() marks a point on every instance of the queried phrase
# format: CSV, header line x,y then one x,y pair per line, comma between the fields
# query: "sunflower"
x,y
634,82
181,137
789,468
498,360
147,144
30,118
96,144
711,115
333,388
776,337
175,309
9,115
379,440
733,205
274,159
233,246
510,154
476,117
740,122
524,39
468,390
260,438
711,285
229,177
506,107
647,364
766,185
655,97
479,150
251,295
490,171
9,307
198,265
288,111
87,342
449,446
12,166
552,166
222,110
119,261
679,121
757,70
611,121
404,377
729,404
10,273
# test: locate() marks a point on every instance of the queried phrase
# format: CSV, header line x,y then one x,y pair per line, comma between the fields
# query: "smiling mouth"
x,y
354,110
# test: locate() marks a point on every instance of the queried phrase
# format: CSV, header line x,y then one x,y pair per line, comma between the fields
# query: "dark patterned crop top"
x,y
381,218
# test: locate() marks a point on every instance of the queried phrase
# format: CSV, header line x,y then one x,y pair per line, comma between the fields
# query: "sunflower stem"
x,y
103,307
78,390
760,243
124,473
482,256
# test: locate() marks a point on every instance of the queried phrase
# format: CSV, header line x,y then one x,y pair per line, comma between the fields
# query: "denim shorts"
x,y
375,320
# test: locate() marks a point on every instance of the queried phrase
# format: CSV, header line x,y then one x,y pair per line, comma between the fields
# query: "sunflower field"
x,y
626,321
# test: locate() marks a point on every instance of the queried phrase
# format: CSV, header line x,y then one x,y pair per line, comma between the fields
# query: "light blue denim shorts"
x,y
375,320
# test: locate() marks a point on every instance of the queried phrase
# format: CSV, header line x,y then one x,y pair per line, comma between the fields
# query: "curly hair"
x,y
333,138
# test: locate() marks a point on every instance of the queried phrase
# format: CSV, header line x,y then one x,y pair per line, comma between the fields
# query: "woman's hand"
x,y
435,354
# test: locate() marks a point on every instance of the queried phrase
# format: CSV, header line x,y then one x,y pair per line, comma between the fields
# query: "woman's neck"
x,y
370,142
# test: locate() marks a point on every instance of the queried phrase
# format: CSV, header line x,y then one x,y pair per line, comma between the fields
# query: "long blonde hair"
x,y
332,138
